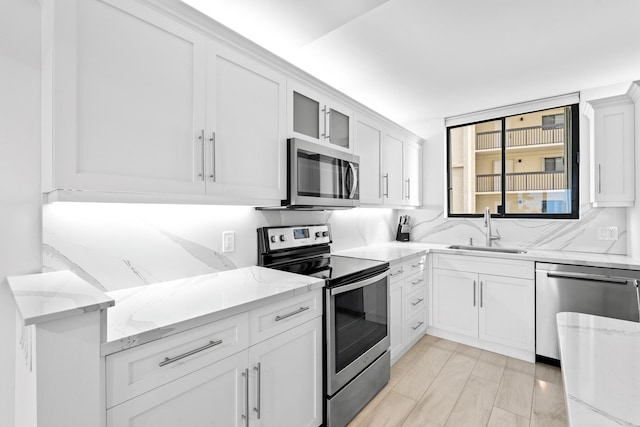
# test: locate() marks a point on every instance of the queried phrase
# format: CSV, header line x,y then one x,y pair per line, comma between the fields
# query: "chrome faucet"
x,y
487,224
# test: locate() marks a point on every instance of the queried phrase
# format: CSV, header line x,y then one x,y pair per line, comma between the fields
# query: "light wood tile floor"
x,y
441,383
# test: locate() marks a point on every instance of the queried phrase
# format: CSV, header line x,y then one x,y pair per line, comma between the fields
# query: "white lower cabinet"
x,y
211,396
274,379
285,379
408,304
489,301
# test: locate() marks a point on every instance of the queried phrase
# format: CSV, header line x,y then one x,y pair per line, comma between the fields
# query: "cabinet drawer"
x,y
485,265
415,327
415,282
416,265
140,369
402,270
414,302
276,318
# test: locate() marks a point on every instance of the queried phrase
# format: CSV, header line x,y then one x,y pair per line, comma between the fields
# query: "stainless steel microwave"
x,y
320,177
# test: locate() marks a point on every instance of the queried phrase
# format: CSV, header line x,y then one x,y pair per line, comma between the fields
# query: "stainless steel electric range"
x,y
356,313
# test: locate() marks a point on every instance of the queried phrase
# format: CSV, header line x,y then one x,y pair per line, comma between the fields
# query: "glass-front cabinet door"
x,y
319,119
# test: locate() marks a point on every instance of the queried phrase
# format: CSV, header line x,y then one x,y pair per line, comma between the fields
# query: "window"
x,y
520,166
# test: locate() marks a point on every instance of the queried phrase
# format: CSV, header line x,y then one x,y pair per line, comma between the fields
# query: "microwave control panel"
x,y
297,236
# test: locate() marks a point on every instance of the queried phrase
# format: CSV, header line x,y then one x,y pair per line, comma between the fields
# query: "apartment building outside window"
x,y
521,166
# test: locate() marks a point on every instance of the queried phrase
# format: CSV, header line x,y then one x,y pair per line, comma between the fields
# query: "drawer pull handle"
x,y
396,273
168,360
245,416
293,313
417,281
417,326
420,264
417,302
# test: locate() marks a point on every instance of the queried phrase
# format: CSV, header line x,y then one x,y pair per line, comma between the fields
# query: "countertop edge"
x,y
34,296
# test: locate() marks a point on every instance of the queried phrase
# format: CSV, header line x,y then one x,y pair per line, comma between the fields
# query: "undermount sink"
x,y
487,249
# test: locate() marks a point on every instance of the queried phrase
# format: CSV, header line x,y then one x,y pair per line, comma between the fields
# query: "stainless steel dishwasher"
x,y
608,292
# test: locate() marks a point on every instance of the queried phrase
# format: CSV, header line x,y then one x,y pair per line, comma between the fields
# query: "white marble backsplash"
x,y
118,246
430,226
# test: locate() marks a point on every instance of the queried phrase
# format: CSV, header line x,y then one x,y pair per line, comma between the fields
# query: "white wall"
x,y
20,213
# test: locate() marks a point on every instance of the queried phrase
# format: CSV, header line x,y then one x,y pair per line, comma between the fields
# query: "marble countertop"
x,y
393,251
601,369
51,296
146,313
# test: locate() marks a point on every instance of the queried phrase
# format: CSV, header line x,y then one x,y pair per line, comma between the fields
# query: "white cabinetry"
x,y
390,165
412,165
611,132
265,364
316,117
485,302
408,304
154,108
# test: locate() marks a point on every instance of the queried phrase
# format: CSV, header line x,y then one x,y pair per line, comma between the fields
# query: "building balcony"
x,y
521,137
522,181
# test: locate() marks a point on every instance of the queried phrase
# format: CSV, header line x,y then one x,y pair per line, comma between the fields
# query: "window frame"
x,y
574,168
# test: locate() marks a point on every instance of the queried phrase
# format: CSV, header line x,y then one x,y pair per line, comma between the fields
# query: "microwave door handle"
x,y
354,182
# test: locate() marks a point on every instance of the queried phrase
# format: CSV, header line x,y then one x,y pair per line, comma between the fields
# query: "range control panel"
x,y
297,236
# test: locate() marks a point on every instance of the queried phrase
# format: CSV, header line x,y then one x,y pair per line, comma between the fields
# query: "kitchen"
x,y
111,242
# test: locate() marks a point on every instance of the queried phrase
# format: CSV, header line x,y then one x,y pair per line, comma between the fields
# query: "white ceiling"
x,y
419,60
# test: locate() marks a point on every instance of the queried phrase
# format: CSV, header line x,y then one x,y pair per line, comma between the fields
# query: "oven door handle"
x,y
360,284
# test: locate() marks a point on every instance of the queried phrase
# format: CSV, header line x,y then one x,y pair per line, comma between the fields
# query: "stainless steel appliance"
x,y
356,314
592,290
320,177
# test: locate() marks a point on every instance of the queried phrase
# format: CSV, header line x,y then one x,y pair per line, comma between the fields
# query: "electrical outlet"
x,y
228,241
608,233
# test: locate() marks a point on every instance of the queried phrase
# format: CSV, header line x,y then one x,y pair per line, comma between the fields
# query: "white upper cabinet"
x,y
367,147
246,148
412,161
611,132
390,165
156,107
392,176
123,99
316,117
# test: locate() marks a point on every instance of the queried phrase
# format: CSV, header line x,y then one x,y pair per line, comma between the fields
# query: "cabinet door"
x,y
613,152
211,396
367,147
127,93
246,108
412,163
455,301
338,124
506,313
288,370
392,183
306,115
395,319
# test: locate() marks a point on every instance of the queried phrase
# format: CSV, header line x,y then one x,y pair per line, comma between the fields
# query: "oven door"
x,y
321,176
357,328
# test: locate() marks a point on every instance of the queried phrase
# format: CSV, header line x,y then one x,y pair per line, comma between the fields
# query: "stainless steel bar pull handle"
x,y
418,264
589,277
599,178
481,294
637,285
213,156
245,416
474,293
397,272
293,313
417,326
201,138
415,282
418,301
408,188
168,360
386,185
257,408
